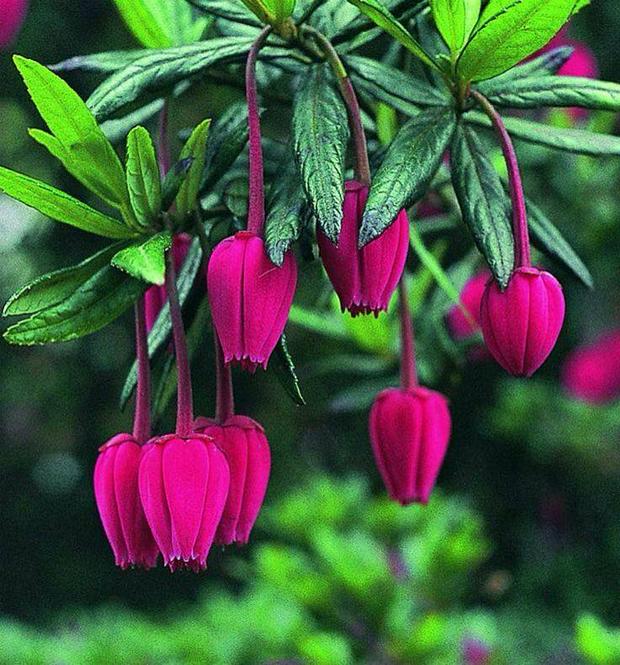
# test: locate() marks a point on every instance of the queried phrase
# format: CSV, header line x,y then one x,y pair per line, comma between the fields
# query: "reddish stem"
x,y
519,210
408,371
142,414
225,398
185,416
256,204
163,147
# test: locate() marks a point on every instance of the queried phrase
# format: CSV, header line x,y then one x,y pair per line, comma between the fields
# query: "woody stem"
x,y
142,414
408,371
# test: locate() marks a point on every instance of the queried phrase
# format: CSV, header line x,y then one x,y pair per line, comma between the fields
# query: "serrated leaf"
x,y
196,150
455,20
61,207
321,133
145,260
96,303
159,70
143,179
87,152
104,63
381,15
407,169
509,31
284,368
57,286
483,202
285,215
578,141
548,239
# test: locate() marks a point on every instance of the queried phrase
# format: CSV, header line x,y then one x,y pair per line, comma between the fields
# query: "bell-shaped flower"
x,y
464,320
12,15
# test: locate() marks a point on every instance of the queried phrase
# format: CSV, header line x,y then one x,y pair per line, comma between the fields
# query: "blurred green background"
x,y
516,560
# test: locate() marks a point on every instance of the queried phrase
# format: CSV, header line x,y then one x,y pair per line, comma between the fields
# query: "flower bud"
x,y
366,278
243,442
118,502
250,298
183,487
522,324
12,14
462,326
409,432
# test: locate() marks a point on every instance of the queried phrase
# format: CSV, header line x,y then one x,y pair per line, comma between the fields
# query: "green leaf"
x,y
321,133
96,303
483,202
145,260
118,129
549,240
260,8
284,368
379,13
196,150
560,91
106,62
285,216
57,286
173,181
281,9
143,24
162,328
407,170
578,141
509,31
159,70
455,20
61,207
231,11
143,179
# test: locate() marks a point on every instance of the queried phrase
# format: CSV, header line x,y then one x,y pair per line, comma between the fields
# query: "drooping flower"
x,y
592,373
183,483
409,431
250,298
118,502
521,325
243,442
12,15
366,278
463,325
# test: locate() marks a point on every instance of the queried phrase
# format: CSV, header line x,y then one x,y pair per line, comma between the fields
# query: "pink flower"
x,y
250,298
183,487
366,278
12,15
118,501
460,325
475,652
521,325
409,431
592,373
243,442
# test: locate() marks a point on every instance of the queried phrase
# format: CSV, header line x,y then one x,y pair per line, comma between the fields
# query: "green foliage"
x,y
455,20
596,643
143,178
195,150
145,260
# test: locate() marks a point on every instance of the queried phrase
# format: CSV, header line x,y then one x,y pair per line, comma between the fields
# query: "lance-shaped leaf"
x,y
118,129
195,149
86,151
103,63
281,9
578,141
231,11
407,169
284,368
321,133
509,31
61,207
549,240
159,70
96,303
381,15
561,91
483,202
285,215
143,179
143,24
53,288
455,20
145,260
173,181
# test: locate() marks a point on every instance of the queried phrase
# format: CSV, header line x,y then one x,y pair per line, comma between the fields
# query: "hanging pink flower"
x,y
12,15
464,325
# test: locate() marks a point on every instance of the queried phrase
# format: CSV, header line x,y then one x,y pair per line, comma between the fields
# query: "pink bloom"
x,y
409,432
522,324
12,15
366,278
183,487
592,373
475,652
250,298
460,325
243,442
118,501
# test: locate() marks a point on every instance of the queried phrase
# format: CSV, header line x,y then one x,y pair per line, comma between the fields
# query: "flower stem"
x,y
185,416
362,166
163,146
256,206
519,210
225,398
142,413
408,370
